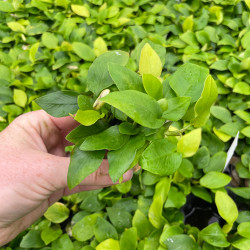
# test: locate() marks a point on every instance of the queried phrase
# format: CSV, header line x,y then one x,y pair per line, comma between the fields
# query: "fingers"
x,y
57,176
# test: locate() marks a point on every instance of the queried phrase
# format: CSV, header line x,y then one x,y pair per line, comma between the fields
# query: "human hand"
x,y
33,170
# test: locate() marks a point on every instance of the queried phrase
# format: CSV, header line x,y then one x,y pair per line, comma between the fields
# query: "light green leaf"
x,y
242,88
57,213
109,244
109,139
84,229
160,158
140,221
242,244
5,75
153,86
244,115
244,229
124,78
6,7
104,230
17,27
217,162
98,75
177,107
63,243
33,51
49,40
189,80
142,108
188,23
175,198
201,193
155,211
128,128
129,239
121,159
60,103
169,231
226,207
246,131
50,234
82,164
150,62
88,117
100,46
189,143
243,192
214,235
221,113
204,103
214,180
20,98
83,51
80,10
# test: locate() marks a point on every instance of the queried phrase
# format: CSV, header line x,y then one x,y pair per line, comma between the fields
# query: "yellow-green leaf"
x,y
32,52
80,10
189,143
226,207
100,46
20,97
88,117
17,27
109,244
150,62
188,24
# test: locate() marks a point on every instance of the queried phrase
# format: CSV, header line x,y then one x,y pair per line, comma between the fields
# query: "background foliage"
x,y
49,45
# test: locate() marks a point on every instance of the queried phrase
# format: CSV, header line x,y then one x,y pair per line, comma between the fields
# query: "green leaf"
x,y
214,180
32,240
169,231
243,192
221,113
60,103
244,229
33,51
186,168
79,134
128,128
124,78
189,143
202,193
104,230
110,139
88,117
100,46
178,242
242,88
155,211
217,162
83,51
202,157
121,159
82,164
177,107
20,98
189,80
120,218
49,40
152,86
98,75
109,244
17,27
92,204
226,207
213,235
84,229
5,74
85,102
6,7
204,103
57,213
80,10
244,115
63,243
150,62
242,243
50,234
124,187
140,107
141,223
160,158
175,198
246,131
129,239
